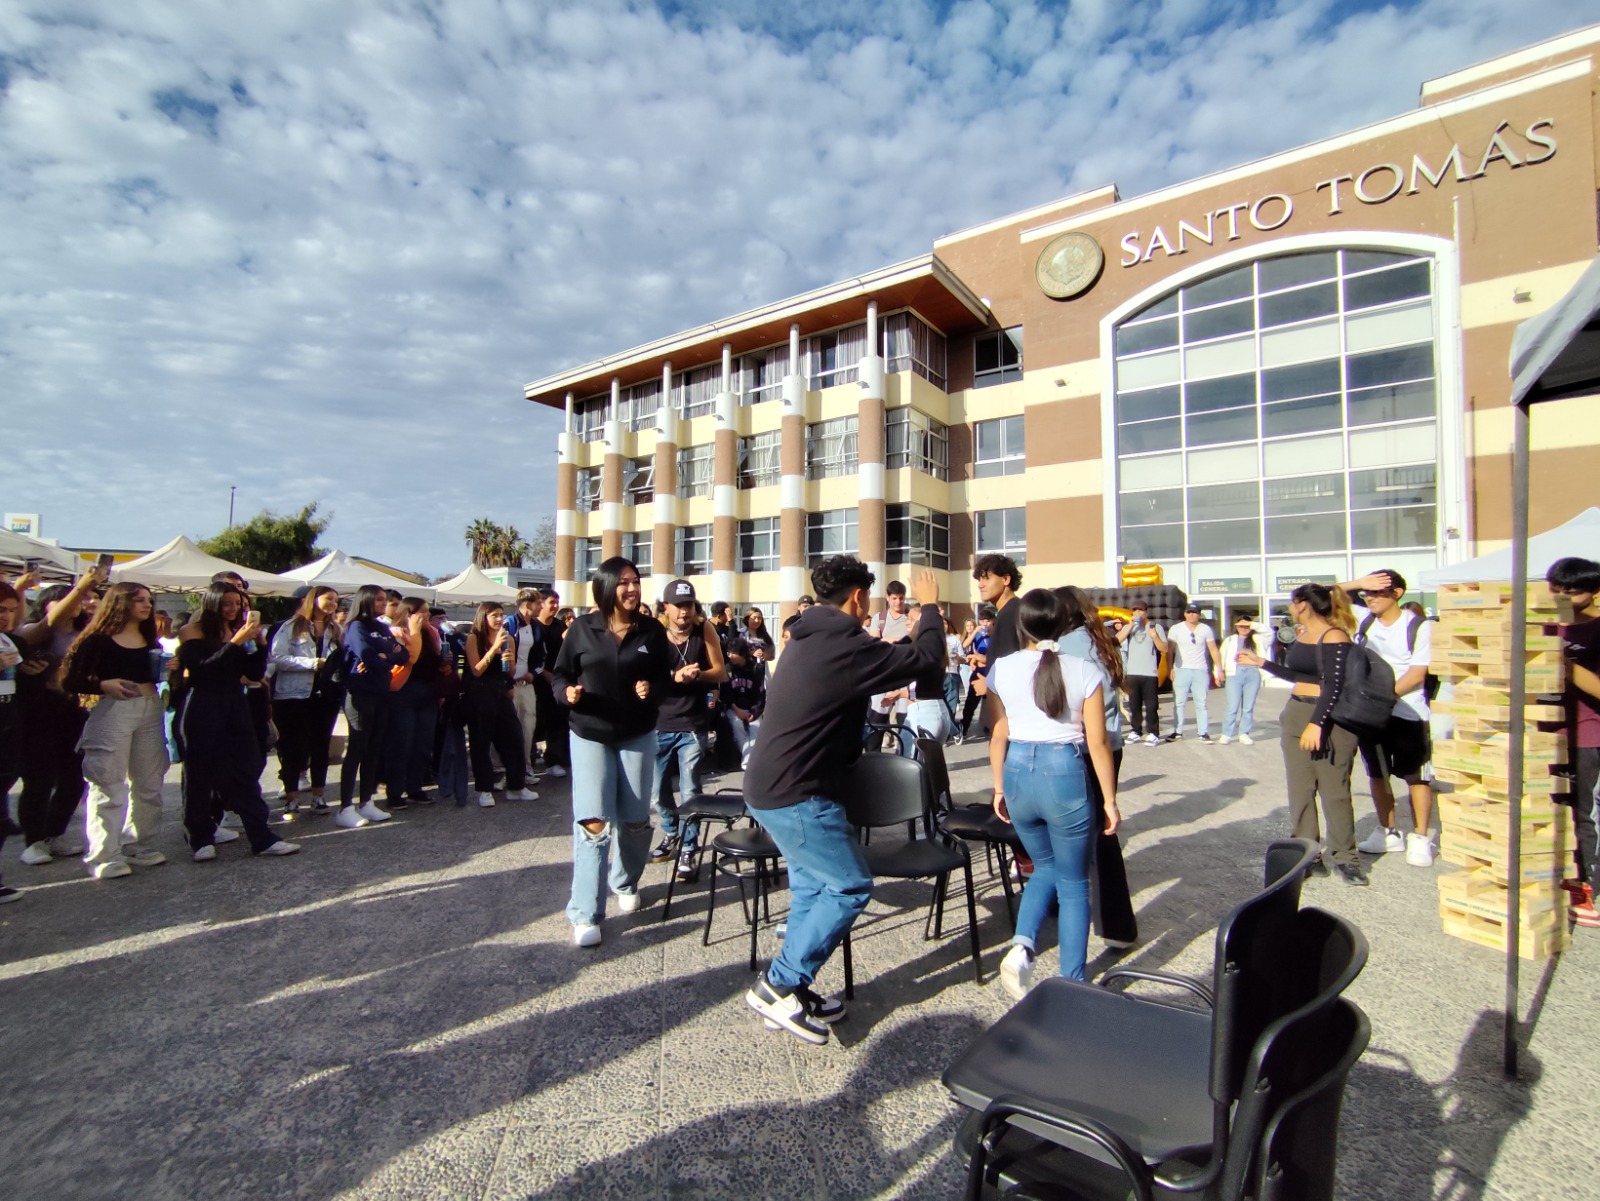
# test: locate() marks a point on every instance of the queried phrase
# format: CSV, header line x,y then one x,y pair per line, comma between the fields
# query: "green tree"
x,y
271,541
481,536
542,547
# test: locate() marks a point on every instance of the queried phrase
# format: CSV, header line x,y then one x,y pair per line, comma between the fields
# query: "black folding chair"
x,y
1165,1077
725,807
970,820
890,790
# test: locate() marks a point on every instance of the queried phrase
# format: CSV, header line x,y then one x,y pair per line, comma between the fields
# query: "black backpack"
x,y
1367,699
1430,682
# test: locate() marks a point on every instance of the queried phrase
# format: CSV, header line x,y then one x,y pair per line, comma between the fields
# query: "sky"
x,y
314,251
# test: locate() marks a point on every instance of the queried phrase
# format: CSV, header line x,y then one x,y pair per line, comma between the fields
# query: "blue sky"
x,y
315,251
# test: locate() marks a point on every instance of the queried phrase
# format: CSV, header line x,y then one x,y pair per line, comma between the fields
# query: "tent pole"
x,y
1519,697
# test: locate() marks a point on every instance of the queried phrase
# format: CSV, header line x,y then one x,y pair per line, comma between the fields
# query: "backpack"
x,y
1430,682
1367,699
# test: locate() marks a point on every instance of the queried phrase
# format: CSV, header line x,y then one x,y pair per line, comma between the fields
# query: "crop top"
x,y
102,657
1303,663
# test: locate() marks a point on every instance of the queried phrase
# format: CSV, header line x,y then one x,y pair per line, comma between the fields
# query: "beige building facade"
x,y
1294,369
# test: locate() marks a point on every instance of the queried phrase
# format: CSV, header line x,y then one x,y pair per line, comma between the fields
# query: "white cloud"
x,y
316,250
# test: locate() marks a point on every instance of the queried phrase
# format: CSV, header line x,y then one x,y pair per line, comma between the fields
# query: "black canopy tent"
x,y
1554,356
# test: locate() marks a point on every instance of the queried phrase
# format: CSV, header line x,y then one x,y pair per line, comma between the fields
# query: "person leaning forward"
x,y
810,736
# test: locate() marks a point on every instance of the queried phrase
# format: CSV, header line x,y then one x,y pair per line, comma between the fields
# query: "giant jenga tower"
x,y
1472,650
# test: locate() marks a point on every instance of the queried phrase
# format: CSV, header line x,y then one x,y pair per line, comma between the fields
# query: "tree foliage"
x,y
271,541
495,545
542,548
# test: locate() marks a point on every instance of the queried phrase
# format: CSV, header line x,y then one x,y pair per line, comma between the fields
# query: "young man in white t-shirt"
x,y
1405,642
1194,644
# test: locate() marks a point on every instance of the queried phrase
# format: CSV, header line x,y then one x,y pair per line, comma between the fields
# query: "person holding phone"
x,y
491,713
115,661
370,655
221,758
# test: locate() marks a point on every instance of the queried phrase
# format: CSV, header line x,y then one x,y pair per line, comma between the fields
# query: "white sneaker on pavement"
x,y
586,936
110,870
372,813
629,902
1151,740
349,818
486,801
1224,740
522,794
281,847
1381,842
142,856
1247,740
224,834
1016,971
557,772
205,854
1419,850
37,853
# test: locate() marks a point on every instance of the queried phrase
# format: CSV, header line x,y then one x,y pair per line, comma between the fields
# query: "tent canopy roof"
x,y
472,587
181,566
1557,353
343,573
1580,536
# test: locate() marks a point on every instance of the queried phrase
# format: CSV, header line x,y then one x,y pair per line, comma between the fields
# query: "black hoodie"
x,y
817,702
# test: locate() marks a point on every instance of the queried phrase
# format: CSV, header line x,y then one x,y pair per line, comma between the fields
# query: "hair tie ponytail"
x,y
1049,646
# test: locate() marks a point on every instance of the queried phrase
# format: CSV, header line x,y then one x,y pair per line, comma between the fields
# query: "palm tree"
x,y
509,548
481,536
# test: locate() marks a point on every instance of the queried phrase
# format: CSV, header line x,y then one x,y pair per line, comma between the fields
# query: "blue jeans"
x,y
829,885
690,747
1240,690
1186,680
1047,796
612,784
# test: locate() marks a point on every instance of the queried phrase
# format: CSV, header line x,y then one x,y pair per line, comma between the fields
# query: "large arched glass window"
x,y
1278,421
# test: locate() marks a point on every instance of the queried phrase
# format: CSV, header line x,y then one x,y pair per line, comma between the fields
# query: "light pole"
x,y
232,488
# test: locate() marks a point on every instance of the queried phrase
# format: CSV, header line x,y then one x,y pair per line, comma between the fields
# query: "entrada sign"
x,y
1378,184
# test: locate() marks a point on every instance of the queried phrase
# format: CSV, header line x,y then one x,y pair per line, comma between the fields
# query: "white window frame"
x,y
761,374
924,442
1012,460
696,469
843,520
639,481
908,518
588,491
694,392
640,547
690,540
764,535
587,558
911,344
761,459
1013,540
835,357
639,403
590,417
832,448
1008,354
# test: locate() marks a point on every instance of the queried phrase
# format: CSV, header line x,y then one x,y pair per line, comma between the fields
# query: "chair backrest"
x,y
1249,981
883,790
932,752
1286,1129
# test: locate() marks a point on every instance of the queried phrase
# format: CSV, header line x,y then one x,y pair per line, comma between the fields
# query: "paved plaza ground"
x,y
398,1012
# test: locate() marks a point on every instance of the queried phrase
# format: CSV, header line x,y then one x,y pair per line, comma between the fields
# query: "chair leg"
x,y
988,858
711,901
941,888
849,971
1005,883
972,923
755,911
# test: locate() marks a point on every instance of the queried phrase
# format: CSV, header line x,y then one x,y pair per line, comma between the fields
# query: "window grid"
x,y
1379,283
590,417
694,549
830,532
911,344
998,447
586,558
997,357
696,470
760,459
913,439
694,392
835,357
638,406
588,489
1002,531
758,544
638,481
917,535
640,548
831,448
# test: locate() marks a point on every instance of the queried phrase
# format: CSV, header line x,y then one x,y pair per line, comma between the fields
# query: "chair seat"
x,y
912,860
978,821
1140,1067
1049,1169
719,807
748,843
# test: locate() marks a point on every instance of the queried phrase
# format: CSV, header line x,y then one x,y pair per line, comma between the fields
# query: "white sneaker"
x,y
1247,740
143,856
486,801
1224,740
349,818
1151,740
522,794
557,773
205,854
281,847
372,813
36,853
586,936
1419,850
224,834
629,902
64,846
111,870
232,821
1381,842
1016,971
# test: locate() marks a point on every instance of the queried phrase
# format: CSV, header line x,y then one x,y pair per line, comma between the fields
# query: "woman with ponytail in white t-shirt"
x,y
1049,720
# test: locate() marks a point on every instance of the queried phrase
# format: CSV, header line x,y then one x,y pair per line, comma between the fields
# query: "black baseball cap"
x,y
679,592
1191,607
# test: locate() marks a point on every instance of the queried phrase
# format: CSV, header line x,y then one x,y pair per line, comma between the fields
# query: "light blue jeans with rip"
x,y
611,783
829,885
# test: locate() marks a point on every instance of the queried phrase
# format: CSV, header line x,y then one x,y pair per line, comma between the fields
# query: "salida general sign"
x,y
1377,184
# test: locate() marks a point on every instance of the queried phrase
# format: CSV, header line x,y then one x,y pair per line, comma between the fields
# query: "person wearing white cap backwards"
x,y
683,721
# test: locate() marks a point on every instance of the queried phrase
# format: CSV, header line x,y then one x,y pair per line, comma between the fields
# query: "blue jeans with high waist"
x,y
1240,689
613,784
1187,680
829,885
1047,796
690,747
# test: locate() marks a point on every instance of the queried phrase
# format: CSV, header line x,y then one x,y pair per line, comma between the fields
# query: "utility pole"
x,y
232,488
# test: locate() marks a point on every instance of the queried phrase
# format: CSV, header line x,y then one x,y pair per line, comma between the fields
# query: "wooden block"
x,y
1487,932
1496,594
1541,906
1538,808
1536,869
1493,844
1485,648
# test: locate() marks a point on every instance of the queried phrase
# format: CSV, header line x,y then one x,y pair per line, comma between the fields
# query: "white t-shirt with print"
x,y
1012,680
1390,643
1191,644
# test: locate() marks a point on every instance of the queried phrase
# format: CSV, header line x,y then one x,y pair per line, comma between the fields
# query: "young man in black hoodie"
x,y
810,735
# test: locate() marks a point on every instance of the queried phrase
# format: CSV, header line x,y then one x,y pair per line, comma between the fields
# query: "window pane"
x,y
1167,304
1402,444
1226,286
1146,406
1365,260
1224,465
1011,347
1218,322
1289,269
1305,494
1304,535
1148,435
1208,538
1152,508
1303,379
1230,425
1140,543
1397,402
1157,471
1391,486
1163,367
1301,416
1230,392
1300,305
991,439
1222,502
1303,454
1372,529
986,353
1389,366
1383,287
1133,338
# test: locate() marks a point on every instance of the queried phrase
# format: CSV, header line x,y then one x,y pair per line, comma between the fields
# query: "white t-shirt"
x,y
952,644
1390,643
1012,680
1191,644
8,675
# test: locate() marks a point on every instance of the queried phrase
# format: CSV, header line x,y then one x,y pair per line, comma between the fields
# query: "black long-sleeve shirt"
x,y
1315,663
609,710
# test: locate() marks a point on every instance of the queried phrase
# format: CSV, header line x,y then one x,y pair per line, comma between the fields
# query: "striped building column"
x,y
663,562
792,485
870,439
611,478
566,508
725,486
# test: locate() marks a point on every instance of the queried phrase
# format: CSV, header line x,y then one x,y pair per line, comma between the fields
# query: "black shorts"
x,y
1401,750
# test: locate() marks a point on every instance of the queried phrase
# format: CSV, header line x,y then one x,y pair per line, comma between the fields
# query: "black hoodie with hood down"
x,y
817,701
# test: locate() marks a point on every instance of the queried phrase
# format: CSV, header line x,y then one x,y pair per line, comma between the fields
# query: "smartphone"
x,y
253,617
103,566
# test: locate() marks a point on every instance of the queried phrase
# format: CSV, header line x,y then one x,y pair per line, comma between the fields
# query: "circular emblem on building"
x,y
1068,266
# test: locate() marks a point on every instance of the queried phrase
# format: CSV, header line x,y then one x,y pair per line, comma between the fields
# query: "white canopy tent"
x,y
181,566
472,587
1580,536
17,550
344,574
